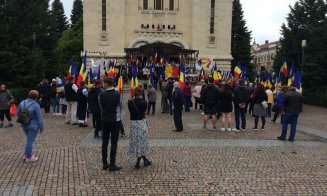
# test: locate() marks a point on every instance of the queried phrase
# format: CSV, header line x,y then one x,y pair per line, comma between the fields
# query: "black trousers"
x,y
4,113
46,104
97,121
63,109
109,129
178,119
153,105
170,100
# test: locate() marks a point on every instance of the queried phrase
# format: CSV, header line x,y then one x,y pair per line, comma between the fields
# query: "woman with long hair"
x,y
139,139
226,107
259,110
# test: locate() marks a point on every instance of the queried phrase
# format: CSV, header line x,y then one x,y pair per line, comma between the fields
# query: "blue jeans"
x,y
31,133
55,105
289,118
187,104
239,112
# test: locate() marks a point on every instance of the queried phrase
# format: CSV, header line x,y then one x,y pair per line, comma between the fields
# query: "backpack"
x,y
24,118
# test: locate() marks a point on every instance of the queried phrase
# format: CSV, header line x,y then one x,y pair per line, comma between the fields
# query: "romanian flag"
x,y
284,71
237,70
111,72
291,76
134,80
69,73
182,76
120,81
82,73
216,75
206,63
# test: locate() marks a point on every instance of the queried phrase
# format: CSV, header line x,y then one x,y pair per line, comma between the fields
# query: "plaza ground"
x,y
194,162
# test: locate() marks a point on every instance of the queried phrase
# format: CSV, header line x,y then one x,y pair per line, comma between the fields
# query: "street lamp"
x,y
304,44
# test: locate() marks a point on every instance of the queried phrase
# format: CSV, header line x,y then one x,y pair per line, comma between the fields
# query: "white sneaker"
x,y
237,130
59,114
262,129
55,114
243,130
229,129
223,129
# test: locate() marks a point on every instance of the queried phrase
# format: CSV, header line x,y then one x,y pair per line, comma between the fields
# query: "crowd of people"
x,y
104,102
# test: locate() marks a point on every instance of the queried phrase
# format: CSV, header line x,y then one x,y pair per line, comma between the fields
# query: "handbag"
x,y
264,104
13,110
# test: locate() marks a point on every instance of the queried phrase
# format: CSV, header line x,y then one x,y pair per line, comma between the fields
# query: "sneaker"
x,y
214,128
243,130
229,129
223,129
280,138
255,129
262,129
67,123
204,128
24,158
32,159
291,140
237,130
83,125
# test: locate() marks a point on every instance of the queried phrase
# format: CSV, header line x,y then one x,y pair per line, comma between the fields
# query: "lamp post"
x,y
304,44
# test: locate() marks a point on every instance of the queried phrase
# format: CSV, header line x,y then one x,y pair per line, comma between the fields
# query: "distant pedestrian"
x,y
293,102
241,98
152,99
139,139
46,95
226,107
260,104
169,89
210,100
143,94
178,100
95,110
164,98
71,98
55,99
270,101
279,105
82,95
111,108
196,95
187,97
34,127
62,97
6,99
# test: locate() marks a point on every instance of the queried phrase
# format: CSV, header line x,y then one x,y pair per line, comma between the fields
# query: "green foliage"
x,y
20,94
316,97
77,11
306,21
241,38
70,45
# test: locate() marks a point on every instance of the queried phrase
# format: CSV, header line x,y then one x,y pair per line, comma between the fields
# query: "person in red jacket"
x,y
187,97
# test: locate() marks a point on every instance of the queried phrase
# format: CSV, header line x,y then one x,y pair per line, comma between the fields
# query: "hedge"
x,y
317,98
19,94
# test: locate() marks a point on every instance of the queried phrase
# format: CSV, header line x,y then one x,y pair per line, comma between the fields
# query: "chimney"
x,y
267,41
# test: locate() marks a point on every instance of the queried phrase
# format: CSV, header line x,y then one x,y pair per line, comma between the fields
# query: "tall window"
x,y
104,15
171,5
158,4
145,4
212,17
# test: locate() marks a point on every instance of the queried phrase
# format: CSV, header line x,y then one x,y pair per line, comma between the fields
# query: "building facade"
x,y
263,55
112,26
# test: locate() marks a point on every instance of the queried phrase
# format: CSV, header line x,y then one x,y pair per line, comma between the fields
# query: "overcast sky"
x,y
264,17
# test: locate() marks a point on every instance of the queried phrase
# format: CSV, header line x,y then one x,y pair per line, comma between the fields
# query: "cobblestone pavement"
x,y
194,162
314,117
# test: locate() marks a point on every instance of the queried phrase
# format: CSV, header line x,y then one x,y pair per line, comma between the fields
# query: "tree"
x,y
241,38
77,11
70,45
22,56
304,16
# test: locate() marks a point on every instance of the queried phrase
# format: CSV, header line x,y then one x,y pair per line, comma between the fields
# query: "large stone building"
x,y
263,55
112,27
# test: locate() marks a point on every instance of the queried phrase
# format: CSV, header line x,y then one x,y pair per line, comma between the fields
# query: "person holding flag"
x,y
134,80
82,73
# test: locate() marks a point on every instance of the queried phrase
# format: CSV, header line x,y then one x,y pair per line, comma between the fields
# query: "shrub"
x,y
19,94
317,97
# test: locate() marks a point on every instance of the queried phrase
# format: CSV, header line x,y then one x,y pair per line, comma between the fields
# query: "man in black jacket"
x,y
71,98
241,98
293,102
94,106
111,107
210,100
178,100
